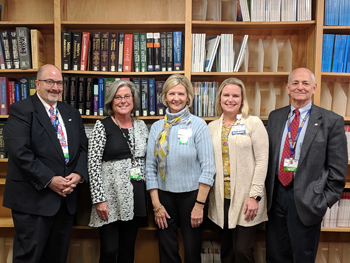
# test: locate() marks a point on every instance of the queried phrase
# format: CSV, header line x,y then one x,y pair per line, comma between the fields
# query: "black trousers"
x,y
42,238
117,241
288,240
179,206
237,244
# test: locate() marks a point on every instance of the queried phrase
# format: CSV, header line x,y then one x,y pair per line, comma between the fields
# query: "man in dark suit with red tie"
x,y
47,149
306,174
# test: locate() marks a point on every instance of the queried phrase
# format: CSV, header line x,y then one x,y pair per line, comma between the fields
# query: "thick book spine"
x,y
136,51
121,52
150,47
156,51
73,91
169,51
144,97
32,86
11,92
127,61
23,87
95,99
77,39
89,102
96,51
65,92
152,96
81,95
85,41
105,50
17,92
143,52
66,48
2,58
4,96
7,47
101,97
38,56
24,50
14,44
113,52
160,108
177,38
138,106
108,83
2,143
163,51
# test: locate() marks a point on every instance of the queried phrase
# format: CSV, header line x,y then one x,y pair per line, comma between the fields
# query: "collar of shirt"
x,y
303,111
46,105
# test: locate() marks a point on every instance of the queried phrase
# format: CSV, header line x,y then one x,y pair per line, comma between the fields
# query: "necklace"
x,y
229,124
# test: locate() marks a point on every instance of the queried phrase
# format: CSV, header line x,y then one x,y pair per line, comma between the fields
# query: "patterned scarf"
x,y
161,149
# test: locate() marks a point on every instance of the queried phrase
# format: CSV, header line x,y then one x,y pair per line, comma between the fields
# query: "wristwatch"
x,y
257,198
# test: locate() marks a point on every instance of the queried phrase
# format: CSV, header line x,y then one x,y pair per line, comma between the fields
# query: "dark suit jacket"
x,y
35,156
320,176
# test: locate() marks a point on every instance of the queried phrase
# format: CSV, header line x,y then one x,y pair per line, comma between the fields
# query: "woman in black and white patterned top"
x,y
116,163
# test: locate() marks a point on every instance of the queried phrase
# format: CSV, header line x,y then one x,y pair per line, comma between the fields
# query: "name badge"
x,y
184,135
238,129
135,172
290,164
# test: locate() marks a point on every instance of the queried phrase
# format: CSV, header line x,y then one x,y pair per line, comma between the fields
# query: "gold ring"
x,y
199,222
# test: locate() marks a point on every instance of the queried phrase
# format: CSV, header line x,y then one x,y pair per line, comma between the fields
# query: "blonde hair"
x,y
175,80
244,110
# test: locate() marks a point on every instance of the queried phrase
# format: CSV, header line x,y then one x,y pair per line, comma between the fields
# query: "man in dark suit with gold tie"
x,y
47,146
306,174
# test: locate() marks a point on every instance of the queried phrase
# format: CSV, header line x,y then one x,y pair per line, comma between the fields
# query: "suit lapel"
x,y
68,123
45,121
314,123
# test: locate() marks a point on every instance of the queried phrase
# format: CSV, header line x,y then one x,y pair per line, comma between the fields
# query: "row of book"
x,y
252,10
339,214
335,96
337,13
87,94
21,49
222,53
122,52
204,98
335,53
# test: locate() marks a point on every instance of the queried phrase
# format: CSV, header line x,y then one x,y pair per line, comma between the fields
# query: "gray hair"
x,y
113,90
311,74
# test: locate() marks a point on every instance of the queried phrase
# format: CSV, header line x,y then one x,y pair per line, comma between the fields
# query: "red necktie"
x,y
286,177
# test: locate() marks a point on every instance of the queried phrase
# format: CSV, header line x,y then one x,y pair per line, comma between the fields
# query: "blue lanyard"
x,y
291,143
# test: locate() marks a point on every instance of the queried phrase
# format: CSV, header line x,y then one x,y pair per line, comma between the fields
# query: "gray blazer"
x,y
320,176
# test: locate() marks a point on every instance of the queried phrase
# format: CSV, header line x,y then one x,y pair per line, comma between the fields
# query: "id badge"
x,y
290,164
184,135
135,172
238,129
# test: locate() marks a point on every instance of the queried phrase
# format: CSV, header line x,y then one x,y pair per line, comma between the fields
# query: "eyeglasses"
x,y
126,97
50,82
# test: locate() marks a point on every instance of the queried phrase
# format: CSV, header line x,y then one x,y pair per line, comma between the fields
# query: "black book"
x,y
65,92
66,48
81,95
76,50
73,91
89,101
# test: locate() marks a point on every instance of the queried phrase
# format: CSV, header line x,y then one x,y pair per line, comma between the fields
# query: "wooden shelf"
x,y
335,229
109,73
2,181
128,26
6,222
254,25
246,74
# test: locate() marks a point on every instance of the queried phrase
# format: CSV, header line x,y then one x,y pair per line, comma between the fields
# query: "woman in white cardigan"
x,y
237,202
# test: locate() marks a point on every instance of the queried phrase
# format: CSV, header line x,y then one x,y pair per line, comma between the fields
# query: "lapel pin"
x,y
69,119
316,124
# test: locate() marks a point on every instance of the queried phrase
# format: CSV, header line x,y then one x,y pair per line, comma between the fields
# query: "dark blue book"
x,y
137,83
339,52
347,53
177,48
160,108
17,92
152,96
101,96
144,97
23,87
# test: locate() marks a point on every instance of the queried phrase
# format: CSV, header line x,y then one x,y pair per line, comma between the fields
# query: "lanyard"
x,y
132,150
291,143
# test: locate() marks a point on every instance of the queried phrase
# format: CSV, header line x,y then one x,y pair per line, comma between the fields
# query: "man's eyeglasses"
x,y
126,97
50,82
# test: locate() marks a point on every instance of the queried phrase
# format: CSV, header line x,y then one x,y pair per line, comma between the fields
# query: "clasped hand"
x,y
65,185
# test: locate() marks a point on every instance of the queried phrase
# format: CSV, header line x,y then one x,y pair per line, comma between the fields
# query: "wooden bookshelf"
x,y
53,16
